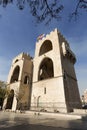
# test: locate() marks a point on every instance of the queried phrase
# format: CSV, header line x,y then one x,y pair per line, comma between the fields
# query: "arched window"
x,y
16,60
46,69
15,75
26,80
46,46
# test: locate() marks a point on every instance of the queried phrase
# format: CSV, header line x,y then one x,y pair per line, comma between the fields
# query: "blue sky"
x,y
18,33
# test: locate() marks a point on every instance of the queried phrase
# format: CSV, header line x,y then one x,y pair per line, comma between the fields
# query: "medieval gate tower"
x,y
54,86
19,83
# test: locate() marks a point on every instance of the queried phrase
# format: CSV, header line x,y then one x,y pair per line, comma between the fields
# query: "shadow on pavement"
x,y
33,127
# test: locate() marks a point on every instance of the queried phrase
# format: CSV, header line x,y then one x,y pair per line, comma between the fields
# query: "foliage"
x,y
2,84
80,5
19,96
2,92
46,10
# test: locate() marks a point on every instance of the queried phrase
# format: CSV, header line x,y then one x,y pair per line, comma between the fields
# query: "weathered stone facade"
x,y
19,83
54,84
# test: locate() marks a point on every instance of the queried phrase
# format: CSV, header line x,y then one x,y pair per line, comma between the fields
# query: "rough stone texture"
x,y
62,93
15,82
54,86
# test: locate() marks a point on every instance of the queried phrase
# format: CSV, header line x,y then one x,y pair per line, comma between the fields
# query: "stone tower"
x,y
54,86
19,83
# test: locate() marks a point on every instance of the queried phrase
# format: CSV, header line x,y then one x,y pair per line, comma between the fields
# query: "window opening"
x,y
44,90
15,76
26,80
46,46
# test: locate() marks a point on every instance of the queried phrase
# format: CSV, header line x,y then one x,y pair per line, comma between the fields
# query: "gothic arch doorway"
x,y
10,100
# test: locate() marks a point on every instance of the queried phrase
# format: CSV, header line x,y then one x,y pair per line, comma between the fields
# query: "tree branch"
x,y
46,10
81,4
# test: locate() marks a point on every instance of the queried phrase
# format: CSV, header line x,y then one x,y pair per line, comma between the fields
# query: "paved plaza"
x,y
32,121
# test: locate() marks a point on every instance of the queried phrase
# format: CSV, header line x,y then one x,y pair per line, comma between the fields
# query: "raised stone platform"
x,y
62,116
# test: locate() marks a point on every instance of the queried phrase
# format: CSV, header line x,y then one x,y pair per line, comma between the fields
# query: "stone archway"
x,y
15,75
46,47
46,69
10,100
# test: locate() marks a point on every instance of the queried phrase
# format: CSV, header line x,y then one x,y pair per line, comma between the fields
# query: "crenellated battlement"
x,y
51,77
47,35
21,56
52,33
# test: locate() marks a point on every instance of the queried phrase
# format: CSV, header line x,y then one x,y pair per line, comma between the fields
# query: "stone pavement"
x,y
41,121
